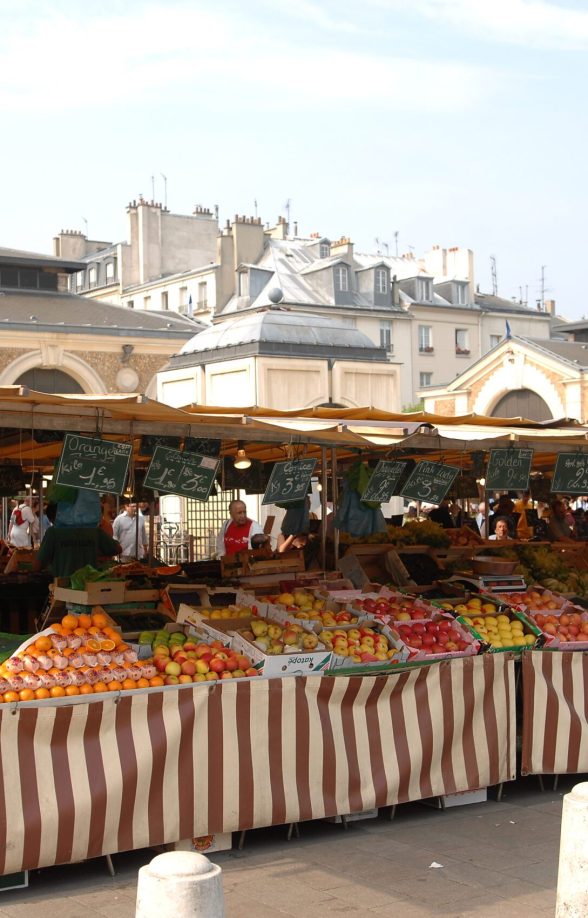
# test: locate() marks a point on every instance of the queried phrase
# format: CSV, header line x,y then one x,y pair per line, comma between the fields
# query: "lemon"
x,y
503,619
496,644
491,620
519,642
529,639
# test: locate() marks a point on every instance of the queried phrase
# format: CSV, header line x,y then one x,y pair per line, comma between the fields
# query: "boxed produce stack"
x,y
373,648
564,626
281,650
495,624
439,637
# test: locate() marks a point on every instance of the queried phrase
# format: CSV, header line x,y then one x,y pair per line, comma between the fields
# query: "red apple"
x,y
189,668
171,680
173,668
217,666
184,679
251,672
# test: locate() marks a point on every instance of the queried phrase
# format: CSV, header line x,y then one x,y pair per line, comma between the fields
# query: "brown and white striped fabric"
x,y
86,779
555,712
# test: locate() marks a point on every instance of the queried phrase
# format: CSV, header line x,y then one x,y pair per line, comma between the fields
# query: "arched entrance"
x,y
50,381
522,403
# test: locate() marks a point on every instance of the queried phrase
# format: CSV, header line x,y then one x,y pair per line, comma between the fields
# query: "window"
x,y
146,302
202,295
243,283
386,334
183,297
425,379
425,339
324,249
130,304
341,278
460,296
110,272
461,341
425,290
164,299
92,276
381,280
79,280
494,340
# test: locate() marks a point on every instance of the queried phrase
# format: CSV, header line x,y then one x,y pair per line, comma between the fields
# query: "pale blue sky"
x,y
453,122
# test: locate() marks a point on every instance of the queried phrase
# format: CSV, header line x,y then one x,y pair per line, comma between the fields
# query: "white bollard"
x,y
180,884
572,878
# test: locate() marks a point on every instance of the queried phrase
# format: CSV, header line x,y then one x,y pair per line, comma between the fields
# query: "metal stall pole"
x,y
151,530
323,507
335,503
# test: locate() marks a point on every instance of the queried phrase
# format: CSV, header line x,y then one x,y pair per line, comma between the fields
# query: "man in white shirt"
x,y
24,525
130,533
238,531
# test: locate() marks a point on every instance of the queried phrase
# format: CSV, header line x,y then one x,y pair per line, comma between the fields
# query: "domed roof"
x,y
281,331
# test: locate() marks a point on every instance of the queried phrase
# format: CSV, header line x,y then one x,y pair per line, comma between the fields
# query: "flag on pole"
x,y
508,332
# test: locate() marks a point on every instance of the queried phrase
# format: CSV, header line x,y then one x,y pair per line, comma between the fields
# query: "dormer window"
x,y
92,276
79,280
425,290
460,294
110,272
341,278
324,250
381,280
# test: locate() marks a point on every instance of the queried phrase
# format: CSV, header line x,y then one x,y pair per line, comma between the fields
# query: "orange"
x,y
85,620
43,643
99,619
113,635
86,689
100,687
122,646
156,680
33,651
68,651
114,686
93,644
42,693
106,645
70,621
93,630
81,632
26,694
57,691
129,684
11,696
72,690
57,628
143,683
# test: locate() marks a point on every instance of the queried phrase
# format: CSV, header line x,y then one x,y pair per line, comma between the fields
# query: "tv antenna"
x,y
287,206
164,177
396,234
494,275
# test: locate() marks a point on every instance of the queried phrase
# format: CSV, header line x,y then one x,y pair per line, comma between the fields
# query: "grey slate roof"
x,y
21,258
69,313
487,302
572,352
281,332
291,265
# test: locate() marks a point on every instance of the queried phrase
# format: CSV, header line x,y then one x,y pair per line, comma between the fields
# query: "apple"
x,y
173,668
179,657
226,674
217,665
188,668
243,662
202,666
171,680
160,663
231,664
162,650
199,677
251,672
211,677
184,679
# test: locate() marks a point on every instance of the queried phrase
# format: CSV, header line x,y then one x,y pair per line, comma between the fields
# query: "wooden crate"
x,y
249,563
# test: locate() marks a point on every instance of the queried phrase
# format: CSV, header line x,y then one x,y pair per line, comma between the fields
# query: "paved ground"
x,y
498,859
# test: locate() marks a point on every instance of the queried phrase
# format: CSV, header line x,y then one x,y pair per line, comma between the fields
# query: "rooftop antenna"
x,y
287,206
86,222
494,275
378,247
543,287
396,242
153,188
386,246
164,177
255,206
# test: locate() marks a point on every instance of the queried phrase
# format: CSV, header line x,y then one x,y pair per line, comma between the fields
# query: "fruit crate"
x,y
465,636
298,663
573,617
342,665
529,630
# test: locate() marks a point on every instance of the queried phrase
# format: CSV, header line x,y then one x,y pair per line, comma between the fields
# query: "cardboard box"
x,y
338,663
215,629
98,593
353,817
299,663
141,595
464,797
416,655
206,844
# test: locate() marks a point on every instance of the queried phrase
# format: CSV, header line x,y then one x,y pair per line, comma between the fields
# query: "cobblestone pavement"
x,y
497,859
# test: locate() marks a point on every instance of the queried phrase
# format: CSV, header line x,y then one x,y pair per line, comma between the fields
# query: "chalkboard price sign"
x,y
187,474
289,481
571,474
93,465
509,469
385,477
429,481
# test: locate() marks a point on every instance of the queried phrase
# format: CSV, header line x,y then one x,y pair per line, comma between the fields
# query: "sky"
x,y
447,122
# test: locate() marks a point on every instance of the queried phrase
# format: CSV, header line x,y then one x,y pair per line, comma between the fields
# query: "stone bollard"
x,y
180,884
572,878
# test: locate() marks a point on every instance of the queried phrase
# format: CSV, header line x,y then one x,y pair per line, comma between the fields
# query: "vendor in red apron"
x,y
236,534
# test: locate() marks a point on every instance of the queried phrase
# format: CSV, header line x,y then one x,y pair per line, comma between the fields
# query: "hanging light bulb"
x,y
242,461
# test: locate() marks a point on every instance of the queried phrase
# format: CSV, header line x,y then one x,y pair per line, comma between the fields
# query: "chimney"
x,y
550,307
342,247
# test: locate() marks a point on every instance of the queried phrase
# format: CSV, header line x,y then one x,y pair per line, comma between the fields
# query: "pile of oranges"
x,y
81,655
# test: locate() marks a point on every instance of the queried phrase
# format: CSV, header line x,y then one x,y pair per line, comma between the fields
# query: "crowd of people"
x,y
512,516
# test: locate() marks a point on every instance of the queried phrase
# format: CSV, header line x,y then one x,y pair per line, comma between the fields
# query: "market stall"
x,y
108,763
84,779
